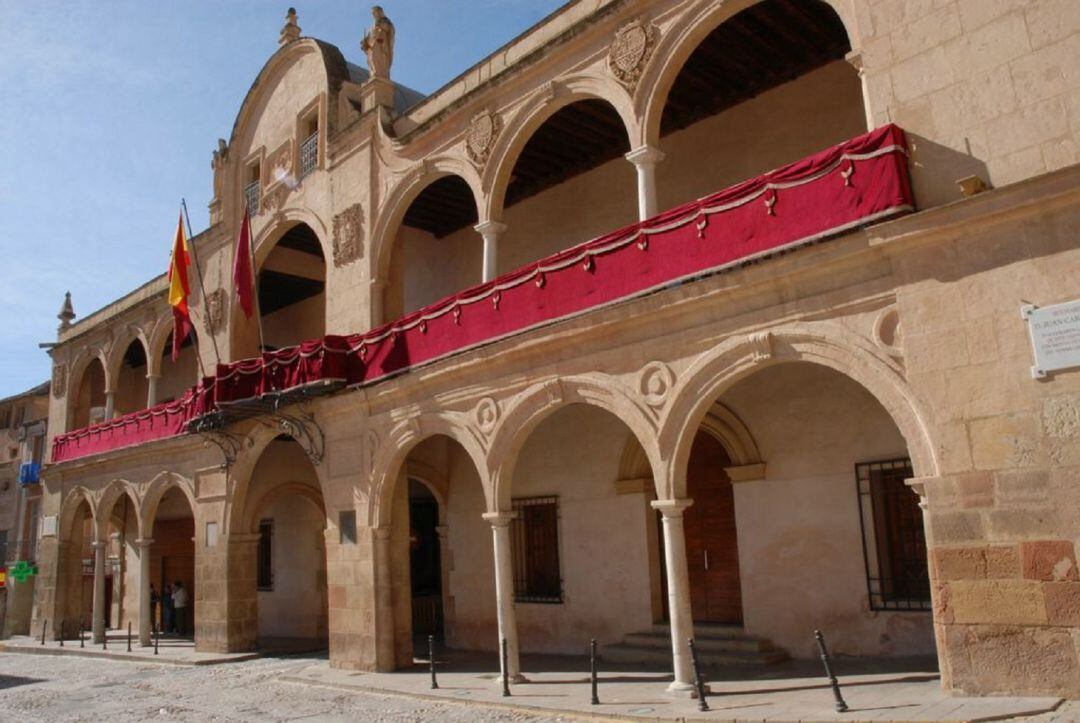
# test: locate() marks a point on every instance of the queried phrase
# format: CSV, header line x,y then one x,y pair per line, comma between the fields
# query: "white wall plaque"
x,y
48,526
1055,336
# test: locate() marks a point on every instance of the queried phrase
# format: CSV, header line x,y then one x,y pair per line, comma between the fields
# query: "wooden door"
x,y
712,551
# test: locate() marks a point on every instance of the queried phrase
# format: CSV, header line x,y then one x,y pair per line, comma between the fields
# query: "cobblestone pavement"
x,y
53,688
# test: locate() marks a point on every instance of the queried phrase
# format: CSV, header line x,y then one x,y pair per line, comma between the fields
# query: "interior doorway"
x,y
425,563
712,550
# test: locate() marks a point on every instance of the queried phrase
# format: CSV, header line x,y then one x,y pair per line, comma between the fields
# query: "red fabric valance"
x,y
843,187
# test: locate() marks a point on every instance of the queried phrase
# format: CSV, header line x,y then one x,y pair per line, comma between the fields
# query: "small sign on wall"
x,y
1055,336
48,526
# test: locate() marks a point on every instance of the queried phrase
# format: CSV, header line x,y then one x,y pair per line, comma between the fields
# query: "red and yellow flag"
x,y
179,289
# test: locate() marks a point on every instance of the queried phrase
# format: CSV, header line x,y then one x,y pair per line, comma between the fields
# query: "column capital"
x,y
240,538
490,228
671,508
144,542
152,375
645,155
98,544
381,533
499,519
378,284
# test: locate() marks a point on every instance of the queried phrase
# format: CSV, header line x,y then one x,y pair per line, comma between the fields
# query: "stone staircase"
x,y
717,645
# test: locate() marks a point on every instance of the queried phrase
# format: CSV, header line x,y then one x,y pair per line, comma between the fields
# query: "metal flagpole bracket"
x,y
212,428
302,426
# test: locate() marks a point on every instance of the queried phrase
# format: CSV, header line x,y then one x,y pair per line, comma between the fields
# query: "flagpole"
x,y
202,289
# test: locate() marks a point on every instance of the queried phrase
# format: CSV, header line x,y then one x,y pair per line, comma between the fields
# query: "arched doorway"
x,y
284,509
436,252
88,405
172,564
805,525
121,518
292,289
767,86
75,567
425,560
569,183
132,383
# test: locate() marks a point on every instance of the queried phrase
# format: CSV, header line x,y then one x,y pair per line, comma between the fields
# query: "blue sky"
x,y
110,111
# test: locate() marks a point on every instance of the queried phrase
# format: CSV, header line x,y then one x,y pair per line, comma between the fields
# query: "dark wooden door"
x,y
712,551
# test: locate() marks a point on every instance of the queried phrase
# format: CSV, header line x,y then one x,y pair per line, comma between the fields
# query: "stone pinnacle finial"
x,y
67,312
291,31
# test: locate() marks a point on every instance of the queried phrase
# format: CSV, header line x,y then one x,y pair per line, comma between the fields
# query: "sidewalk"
x,y
171,651
796,691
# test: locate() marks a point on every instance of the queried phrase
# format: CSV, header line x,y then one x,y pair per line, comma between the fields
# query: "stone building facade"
x,y
842,434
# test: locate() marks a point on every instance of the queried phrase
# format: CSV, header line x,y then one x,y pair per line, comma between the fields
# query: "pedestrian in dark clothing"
x,y
168,612
154,600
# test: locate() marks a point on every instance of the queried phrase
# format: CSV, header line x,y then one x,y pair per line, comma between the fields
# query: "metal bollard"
x,y
699,683
431,660
104,636
841,706
592,670
61,633
82,640
505,670
44,624
157,635
129,636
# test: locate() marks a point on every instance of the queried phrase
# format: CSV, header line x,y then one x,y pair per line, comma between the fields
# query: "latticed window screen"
x,y
252,194
535,537
309,154
266,555
894,540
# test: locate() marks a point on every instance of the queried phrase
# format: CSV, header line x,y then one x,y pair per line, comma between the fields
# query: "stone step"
x,y
706,630
624,653
662,640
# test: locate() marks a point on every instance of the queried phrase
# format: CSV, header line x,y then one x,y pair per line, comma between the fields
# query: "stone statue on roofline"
x,y
378,44
291,30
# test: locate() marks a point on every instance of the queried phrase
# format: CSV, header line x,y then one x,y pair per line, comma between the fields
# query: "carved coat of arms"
x,y
480,138
630,51
349,235
215,310
59,380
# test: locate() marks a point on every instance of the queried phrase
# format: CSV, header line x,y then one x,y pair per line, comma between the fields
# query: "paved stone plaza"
x,y
90,684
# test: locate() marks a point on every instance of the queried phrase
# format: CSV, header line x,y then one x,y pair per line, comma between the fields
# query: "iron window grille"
x,y
534,534
266,555
893,536
252,195
309,155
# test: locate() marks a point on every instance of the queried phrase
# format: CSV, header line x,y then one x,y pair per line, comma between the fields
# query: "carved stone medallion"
x,y
216,303
349,235
655,382
487,415
480,138
630,51
59,380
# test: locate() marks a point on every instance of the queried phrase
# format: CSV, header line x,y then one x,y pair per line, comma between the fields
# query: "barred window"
x,y
894,540
535,535
266,555
309,154
252,196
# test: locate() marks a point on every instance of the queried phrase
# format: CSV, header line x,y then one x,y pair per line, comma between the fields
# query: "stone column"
x,y
151,389
678,582
145,618
110,404
504,594
490,231
378,302
97,625
385,655
645,159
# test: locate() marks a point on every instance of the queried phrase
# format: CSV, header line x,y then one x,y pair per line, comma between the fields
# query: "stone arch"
x,y
825,344
543,104
74,498
733,435
159,337
119,349
538,402
678,43
77,377
401,196
155,491
110,496
255,444
394,452
309,494
433,479
268,236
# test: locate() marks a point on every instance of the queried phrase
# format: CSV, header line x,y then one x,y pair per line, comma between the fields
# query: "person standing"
x,y
180,603
154,599
168,612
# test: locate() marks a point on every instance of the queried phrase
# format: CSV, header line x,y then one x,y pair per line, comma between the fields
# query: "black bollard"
x,y
129,636
61,633
699,682
505,670
104,635
841,706
44,624
592,670
82,640
431,660
156,636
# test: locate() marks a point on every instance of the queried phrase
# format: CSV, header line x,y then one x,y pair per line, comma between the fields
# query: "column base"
x,y
684,690
514,679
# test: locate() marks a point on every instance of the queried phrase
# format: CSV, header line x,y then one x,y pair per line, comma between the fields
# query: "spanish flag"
x,y
179,289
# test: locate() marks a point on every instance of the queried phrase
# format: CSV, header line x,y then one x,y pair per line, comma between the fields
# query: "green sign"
x,y
22,571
